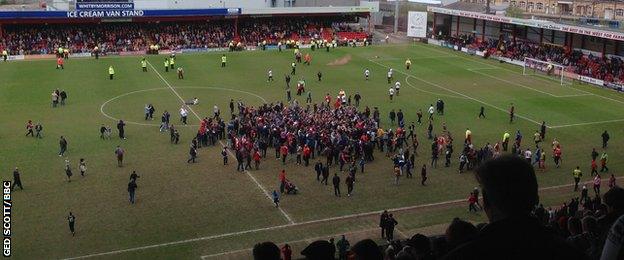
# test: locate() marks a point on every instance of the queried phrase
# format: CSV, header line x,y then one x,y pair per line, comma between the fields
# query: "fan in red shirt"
x,y
306,154
256,158
59,63
284,153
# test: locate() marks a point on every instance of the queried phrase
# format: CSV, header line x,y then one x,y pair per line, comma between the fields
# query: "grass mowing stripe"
x,y
455,92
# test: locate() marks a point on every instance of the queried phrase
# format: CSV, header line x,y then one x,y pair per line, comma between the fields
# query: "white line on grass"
x,y
503,68
330,219
589,123
268,195
199,118
455,92
523,86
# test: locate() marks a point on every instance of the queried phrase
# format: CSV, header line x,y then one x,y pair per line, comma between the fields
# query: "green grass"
x,y
177,201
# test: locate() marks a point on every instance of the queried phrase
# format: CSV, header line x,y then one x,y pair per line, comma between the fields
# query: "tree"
x,y
515,12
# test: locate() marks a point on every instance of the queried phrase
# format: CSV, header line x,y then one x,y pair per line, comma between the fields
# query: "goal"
x,y
545,69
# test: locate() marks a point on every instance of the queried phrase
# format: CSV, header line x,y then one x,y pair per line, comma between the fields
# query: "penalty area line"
x,y
455,92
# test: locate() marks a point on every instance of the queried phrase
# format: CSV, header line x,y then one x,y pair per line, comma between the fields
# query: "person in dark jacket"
x,y
17,181
325,174
120,128
510,192
390,224
318,168
63,146
605,139
383,219
131,190
336,182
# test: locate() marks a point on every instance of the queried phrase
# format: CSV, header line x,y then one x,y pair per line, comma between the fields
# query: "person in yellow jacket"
x,y
172,61
577,177
506,137
111,72
408,64
144,65
5,55
166,65
59,52
223,60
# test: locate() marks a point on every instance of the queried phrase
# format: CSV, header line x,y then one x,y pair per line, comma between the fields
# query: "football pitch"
x,y
210,211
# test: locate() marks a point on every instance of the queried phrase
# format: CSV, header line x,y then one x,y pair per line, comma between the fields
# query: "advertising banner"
x,y
417,24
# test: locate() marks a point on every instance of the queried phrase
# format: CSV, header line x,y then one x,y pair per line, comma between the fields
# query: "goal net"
x,y
545,69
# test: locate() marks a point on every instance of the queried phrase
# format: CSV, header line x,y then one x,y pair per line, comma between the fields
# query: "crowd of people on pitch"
x,y
610,69
518,227
130,37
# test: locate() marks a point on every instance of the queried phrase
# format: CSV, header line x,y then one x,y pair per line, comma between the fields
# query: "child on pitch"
x,y
366,73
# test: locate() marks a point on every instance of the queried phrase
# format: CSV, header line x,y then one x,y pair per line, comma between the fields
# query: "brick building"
x,y
598,9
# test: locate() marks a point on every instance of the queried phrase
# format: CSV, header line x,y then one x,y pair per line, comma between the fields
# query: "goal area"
x,y
545,69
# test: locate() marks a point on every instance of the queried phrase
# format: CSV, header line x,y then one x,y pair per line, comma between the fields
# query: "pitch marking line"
x,y
331,219
457,93
523,86
199,118
268,195
503,68
589,123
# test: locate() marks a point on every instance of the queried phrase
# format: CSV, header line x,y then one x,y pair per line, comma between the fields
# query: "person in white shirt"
x,y
397,87
183,115
390,76
366,73
527,155
431,110
391,93
270,75
215,111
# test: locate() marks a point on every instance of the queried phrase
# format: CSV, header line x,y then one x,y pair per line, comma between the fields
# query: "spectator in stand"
x,y
509,189
266,251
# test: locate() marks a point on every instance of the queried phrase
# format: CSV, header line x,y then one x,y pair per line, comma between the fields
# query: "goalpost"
x,y
545,69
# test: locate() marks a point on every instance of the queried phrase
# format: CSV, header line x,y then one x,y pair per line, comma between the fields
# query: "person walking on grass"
x,y
119,152
597,183
62,146
192,154
29,128
38,129
132,186
350,181
605,139
276,198
603,162
71,219
577,174
82,166
391,224
17,181
423,175
68,170
121,128
336,182
383,219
